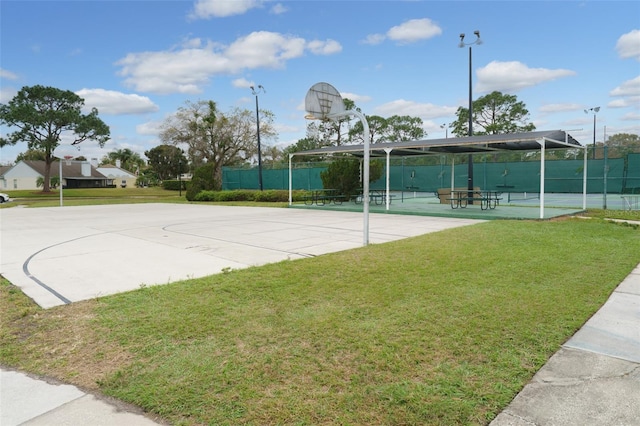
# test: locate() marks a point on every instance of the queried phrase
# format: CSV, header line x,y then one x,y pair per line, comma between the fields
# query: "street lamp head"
x,y
596,109
477,40
255,91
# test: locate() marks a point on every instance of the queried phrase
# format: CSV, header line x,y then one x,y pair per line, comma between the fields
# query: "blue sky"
x,y
139,61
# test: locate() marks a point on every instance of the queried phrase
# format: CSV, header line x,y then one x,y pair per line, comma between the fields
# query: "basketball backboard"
x,y
323,101
67,152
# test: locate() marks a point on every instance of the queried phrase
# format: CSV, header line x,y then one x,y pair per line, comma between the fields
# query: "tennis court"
x,y
513,205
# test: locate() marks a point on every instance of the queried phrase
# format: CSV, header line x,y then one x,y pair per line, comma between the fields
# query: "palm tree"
x,y
129,160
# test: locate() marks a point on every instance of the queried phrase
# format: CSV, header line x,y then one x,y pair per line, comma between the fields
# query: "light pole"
x,y
477,41
255,92
605,171
595,111
446,130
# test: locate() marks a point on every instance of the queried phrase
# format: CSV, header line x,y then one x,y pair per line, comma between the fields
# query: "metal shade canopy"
x,y
527,141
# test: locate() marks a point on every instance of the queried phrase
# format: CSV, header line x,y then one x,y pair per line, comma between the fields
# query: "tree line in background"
x,y
201,139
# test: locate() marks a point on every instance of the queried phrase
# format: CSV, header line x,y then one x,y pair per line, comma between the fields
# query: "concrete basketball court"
x,y
60,255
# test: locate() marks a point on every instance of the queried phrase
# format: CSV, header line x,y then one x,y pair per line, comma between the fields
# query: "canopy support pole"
x,y
453,173
584,182
290,180
542,154
388,198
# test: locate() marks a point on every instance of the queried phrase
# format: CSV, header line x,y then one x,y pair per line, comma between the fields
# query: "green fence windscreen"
x,y
566,176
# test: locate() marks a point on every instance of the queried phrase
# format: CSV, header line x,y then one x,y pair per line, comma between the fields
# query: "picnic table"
x,y
377,196
460,198
631,201
323,196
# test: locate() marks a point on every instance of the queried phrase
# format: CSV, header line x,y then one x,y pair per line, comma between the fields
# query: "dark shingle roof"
x,y
73,170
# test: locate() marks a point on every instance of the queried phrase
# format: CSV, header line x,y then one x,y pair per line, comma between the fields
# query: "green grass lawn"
x,y
440,329
101,196
92,196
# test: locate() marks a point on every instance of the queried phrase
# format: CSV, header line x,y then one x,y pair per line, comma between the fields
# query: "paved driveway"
x,y
65,254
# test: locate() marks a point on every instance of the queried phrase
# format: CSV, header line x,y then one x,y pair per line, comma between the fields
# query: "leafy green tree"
x,y
272,155
495,113
404,128
621,144
31,155
343,174
43,115
147,177
217,138
202,180
377,129
167,161
396,128
129,160
55,181
304,144
332,132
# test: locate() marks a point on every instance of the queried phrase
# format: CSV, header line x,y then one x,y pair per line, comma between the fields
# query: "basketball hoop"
x,y
323,102
67,159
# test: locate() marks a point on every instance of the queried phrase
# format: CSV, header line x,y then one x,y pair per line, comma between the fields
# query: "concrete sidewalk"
x,y
25,400
594,379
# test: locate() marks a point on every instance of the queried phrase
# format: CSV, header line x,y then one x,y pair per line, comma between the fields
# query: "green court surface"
x,y
512,206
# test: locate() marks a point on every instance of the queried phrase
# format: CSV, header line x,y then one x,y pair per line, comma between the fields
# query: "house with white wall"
x,y
121,178
75,174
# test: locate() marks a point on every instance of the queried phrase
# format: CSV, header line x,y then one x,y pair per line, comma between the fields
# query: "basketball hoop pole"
x,y
323,102
60,183
64,153
365,172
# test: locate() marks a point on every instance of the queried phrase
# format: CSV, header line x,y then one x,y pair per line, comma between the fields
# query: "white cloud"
x,y
408,32
513,76
205,9
185,69
358,99
149,128
415,109
242,83
8,74
551,108
116,103
631,116
628,45
278,9
627,88
414,30
374,39
327,47
7,93
631,101
263,49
